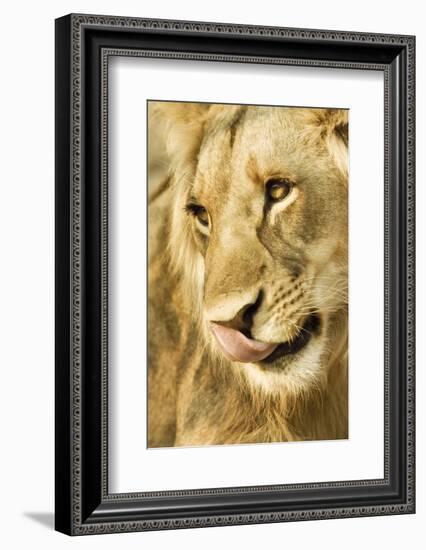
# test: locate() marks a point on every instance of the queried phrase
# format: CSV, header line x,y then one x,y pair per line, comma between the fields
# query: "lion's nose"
x,y
243,320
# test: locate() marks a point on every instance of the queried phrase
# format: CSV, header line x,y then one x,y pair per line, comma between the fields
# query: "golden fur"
x,y
295,254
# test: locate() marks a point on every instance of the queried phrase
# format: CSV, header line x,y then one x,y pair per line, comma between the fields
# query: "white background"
x,y
26,304
132,80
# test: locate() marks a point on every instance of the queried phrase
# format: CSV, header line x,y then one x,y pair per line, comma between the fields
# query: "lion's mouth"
x,y
237,346
309,328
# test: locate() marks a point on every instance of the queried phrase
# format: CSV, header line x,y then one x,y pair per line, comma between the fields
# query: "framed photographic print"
x,y
234,274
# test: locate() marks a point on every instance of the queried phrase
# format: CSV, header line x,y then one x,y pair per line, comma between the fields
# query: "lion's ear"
x,y
183,125
180,112
338,124
335,126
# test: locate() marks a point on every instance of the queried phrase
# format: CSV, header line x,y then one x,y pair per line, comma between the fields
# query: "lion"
x,y
248,274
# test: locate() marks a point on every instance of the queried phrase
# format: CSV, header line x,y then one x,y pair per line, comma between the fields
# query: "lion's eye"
x,y
278,189
199,213
202,216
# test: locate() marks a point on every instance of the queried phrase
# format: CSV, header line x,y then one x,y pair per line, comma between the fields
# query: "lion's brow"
x,y
192,199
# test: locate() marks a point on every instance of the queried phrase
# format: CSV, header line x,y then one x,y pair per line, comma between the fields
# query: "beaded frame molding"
x,y
84,44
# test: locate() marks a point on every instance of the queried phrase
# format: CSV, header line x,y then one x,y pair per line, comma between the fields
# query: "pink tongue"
x,y
238,347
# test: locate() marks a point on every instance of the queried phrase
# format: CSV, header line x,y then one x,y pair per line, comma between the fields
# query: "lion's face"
x,y
263,202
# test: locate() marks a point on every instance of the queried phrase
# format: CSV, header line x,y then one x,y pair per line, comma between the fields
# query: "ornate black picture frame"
x,y
84,44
